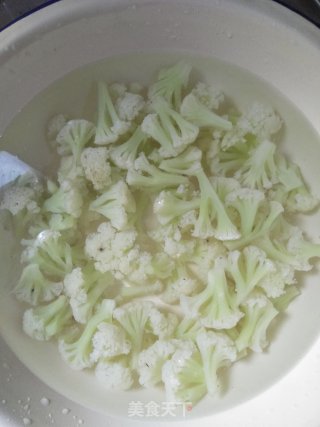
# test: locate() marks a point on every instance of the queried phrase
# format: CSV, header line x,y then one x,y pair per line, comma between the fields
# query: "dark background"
x,y
11,10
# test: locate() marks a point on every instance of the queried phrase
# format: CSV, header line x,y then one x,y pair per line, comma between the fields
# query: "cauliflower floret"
x,y
73,282
282,302
203,257
274,284
114,375
62,222
183,375
85,287
68,170
170,83
302,201
259,312
259,120
21,189
15,199
173,244
129,105
140,265
260,170
217,351
117,89
187,163
246,202
193,110
117,252
146,175
107,247
213,219
76,347
179,283
72,139
55,124
33,287
286,244
247,269
215,306
124,155
45,321
54,256
177,249
208,95
109,125
169,128
162,265
188,329
163,325
151,360
177,211
115,204
136,87
168,207
68,198
109,341
188,220
96,167
134,317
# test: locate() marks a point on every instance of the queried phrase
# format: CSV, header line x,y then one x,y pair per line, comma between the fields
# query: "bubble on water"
x,y
45,401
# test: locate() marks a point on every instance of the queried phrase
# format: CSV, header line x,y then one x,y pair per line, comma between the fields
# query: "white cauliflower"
x,y
85,288
115,204
181,282
208,95
173,244
274,283
163,325
114,375
259,120
96,166
129,105
109,341
55,124
151,360
16,198
110,249
68,198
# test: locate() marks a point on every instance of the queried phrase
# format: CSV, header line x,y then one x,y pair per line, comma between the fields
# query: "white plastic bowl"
x,y
259,36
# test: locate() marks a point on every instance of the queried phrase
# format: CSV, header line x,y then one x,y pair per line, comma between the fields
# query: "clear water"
x,y
74,95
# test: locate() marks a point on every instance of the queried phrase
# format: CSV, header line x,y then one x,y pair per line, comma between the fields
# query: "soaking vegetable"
x,y
166,244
